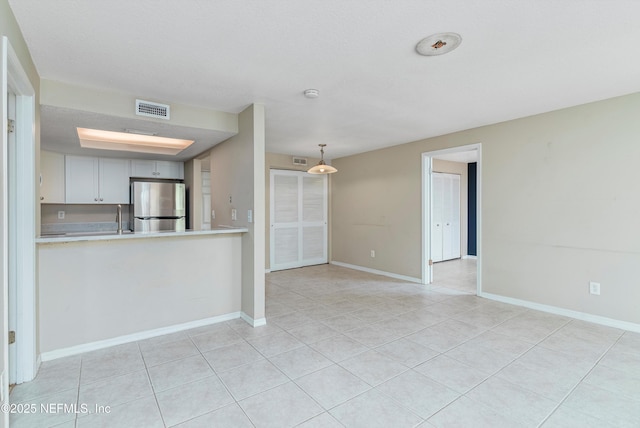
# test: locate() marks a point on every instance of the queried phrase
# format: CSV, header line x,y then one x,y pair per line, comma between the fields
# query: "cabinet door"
x,y
114,181
143,168
51,178
81,180
166,169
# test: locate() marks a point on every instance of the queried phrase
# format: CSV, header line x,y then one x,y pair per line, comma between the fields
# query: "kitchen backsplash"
x,y
81,218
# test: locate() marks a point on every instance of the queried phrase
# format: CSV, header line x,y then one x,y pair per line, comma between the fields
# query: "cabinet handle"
x,y
42,198
95,199
100,199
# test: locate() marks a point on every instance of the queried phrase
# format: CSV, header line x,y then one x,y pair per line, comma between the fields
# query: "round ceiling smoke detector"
x,y
312,93
438,44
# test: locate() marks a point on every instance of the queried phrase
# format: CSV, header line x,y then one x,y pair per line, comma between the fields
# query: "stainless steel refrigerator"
x,y
157,205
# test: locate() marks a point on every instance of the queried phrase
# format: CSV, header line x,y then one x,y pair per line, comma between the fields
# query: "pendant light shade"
x,y
322,168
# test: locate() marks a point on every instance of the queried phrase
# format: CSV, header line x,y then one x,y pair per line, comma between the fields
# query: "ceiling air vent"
x,y
149,109
300,161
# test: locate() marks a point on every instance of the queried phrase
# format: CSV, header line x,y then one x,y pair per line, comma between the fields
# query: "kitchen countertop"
x,y
112,235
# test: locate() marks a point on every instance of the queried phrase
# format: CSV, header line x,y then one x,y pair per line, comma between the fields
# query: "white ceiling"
x,y
517,58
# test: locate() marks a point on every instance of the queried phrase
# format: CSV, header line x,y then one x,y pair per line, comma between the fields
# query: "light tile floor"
x,y
347,348
458,274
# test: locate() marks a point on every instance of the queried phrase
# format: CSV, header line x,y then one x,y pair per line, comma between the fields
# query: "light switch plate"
x,y
250,216
234,214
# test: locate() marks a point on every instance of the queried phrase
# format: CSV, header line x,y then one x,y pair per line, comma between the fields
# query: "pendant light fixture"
x,y
322,168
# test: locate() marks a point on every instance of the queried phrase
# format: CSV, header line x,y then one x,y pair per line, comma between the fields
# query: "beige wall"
x,y
560,206
9,28
93,291
193,183
461,169
278,161
237,177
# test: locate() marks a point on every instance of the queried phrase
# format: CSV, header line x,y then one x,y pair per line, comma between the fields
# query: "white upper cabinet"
x,y
113,181
157,169
91,180
51,178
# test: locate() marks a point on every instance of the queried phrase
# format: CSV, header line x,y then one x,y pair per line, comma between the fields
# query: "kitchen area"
x,y
133,245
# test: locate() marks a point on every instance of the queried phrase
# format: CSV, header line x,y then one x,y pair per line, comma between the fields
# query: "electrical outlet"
x,y
234,214
213,214
60,215
373,253
250,216
594,288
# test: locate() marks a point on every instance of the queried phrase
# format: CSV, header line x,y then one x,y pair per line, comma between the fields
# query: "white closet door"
x,y
445,224
298,219
455,217
436,219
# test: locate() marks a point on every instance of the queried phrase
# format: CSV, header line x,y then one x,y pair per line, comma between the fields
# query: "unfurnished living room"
x,y
320,214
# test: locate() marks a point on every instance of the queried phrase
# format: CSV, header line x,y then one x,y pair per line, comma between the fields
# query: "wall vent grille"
x,y
300,161
149,109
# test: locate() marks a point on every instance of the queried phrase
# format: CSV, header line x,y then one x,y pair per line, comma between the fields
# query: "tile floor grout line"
x,y
153,389
564,398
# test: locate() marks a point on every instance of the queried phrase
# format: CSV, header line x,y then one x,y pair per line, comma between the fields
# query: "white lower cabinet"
x,y
91,180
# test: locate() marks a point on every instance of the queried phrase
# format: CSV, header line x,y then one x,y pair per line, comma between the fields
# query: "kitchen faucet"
x,y
119,219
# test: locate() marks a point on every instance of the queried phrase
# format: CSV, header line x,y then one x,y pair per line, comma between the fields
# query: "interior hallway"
x,y
457,274
347,348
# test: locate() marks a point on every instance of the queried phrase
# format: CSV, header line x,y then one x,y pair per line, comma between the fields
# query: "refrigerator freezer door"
x,y
159,225
158,199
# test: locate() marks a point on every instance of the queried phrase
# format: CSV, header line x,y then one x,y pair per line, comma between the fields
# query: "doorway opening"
x,y
451,218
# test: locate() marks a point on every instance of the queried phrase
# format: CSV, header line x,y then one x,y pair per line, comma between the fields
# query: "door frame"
x,y
427,214
15,79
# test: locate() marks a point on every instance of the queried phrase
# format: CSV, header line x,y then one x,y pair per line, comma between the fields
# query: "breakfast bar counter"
x,y
54,238
102,289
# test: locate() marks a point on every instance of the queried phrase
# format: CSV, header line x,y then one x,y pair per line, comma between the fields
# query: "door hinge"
x,y
12,337
430,262
11,126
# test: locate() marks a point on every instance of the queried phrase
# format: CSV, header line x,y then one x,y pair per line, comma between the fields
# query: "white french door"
x,y
445,223
298,212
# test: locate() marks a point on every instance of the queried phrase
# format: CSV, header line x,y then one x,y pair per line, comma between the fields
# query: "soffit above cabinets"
x,y
58,133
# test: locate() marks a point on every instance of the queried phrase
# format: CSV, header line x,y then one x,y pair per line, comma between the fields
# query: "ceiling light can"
x,y
438,44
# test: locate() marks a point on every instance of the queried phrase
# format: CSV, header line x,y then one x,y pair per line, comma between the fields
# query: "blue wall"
x,y
471,217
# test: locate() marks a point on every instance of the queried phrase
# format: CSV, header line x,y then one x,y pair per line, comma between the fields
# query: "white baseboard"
x,y
254,323
377,272
596,319
92,346
470,257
